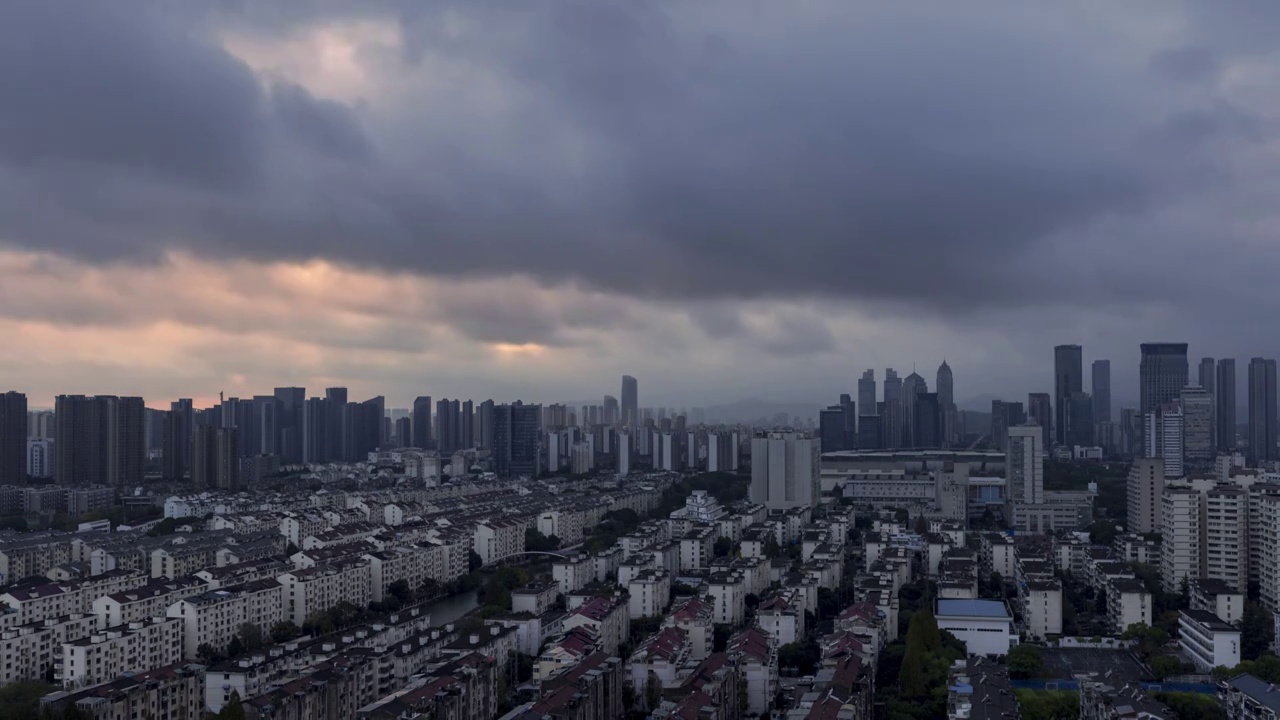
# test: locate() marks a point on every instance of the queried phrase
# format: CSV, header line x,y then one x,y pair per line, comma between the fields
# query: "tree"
x,y
720,635
474,561
401,591
1150,639
1257,631
652,691
284,631
235,648
802,657
21,700
208,654
251,637
1050,705
922,525
771,548
1162,666
71,711
1192,706
1025,662
724,547
535,541
233,710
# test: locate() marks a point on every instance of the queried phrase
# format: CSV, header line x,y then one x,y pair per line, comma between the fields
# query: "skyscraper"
x,y
215,462
1025,467
831,428
610,412
867,393
446,421
289,422
422,422
927,418
1101,391
946,404
404,432
468,425
1207,375
1080,420
13,438
1162,374
913,386
1068,378
892,418
785,470
100,440
316,418
850,412
486,421
1262,411
1197,427
630,401
1163,437
517,442
1040,412
1224,399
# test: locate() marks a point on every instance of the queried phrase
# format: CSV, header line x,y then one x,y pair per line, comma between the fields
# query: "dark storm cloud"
x,y
934,155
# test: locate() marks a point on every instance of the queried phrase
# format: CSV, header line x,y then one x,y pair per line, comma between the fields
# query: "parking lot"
x,y
1110,666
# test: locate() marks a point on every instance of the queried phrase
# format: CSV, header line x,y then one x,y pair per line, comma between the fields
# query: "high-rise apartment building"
x,y
785,468
468,427
1102,391
1163,438
1068,378
446,426
100,440
13,438
1197,427
1162,374
630,401
517,439
1040,412
1224,552
215,461
1225,400
316,418
928,421
422,422
1180,537
1144,488
1262,411
831,429
611,413
1024,466
289,422
485,422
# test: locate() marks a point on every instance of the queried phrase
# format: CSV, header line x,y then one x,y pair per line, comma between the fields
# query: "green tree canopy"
x,y
1025,662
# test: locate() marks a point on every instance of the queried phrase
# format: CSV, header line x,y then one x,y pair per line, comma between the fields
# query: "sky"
x,y
728,199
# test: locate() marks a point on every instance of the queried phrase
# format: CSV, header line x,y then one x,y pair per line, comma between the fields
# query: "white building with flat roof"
x,y
1207,641
785,470
984,626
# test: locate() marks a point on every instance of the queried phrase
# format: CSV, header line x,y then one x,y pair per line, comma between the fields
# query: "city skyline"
x,y
323,233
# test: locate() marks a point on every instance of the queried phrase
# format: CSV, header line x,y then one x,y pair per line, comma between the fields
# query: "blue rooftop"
x,y
973,608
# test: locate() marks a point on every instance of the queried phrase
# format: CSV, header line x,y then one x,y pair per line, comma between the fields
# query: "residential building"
x,y
984,626
1207,641
1217,597
1162,374
214,617
1180,531
1164,437
785,468
13,439
320,588
112,652
1245,697
1145,487
172,692
1262,411
100,440
1198,450
1068,378
649,591
1225,402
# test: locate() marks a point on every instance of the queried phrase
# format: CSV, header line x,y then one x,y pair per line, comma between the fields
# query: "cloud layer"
x,y
736,198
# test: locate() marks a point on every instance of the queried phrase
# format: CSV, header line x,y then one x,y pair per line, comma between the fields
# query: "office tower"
x,y
912,387
999,425
1144,487
1131,432
336,395
517,445
892,418
611,414
468,425
1025,466
1068,378
784,470
100,440
850,409
422,422
927,417
868,433
215,460
289,422
831,429
339,432
404,432
947,405
1162,437
1262,411
630,401
1162,374
1224,398
1040,412
178,427
153,429
1080,419
13,438
867,395
1102,391
1197,427
1207,374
